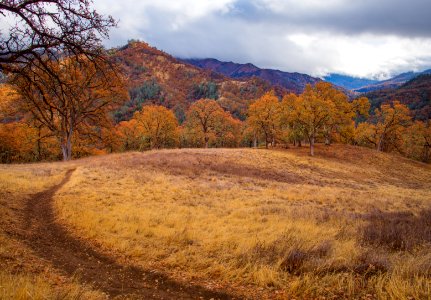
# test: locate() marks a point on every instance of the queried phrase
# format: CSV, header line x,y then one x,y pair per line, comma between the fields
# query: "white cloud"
x,y
364,38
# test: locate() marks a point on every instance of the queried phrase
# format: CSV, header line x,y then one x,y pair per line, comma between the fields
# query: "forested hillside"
x,y
416,94
155,77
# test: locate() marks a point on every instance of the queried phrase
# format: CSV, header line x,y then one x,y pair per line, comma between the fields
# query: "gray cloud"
x,y
309,36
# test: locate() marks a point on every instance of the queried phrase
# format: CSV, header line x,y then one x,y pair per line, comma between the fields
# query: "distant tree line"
x,y
321,114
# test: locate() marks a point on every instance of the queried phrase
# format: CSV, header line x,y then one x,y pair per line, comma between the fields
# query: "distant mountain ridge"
x,y
294,82
393,82
365,85
349,82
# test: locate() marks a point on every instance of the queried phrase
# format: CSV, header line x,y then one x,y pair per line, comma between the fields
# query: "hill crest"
x,y
294,82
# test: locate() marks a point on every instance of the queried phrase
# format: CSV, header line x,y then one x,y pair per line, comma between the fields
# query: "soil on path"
x,y
52,242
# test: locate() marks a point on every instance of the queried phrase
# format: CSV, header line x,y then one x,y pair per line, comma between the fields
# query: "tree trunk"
x,y
299,143
255,142
312,145
39,151
206,142
266,141
380,144
327,140
426,154
66,147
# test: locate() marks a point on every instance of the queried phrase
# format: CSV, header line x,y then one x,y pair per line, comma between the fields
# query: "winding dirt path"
x,y
52,242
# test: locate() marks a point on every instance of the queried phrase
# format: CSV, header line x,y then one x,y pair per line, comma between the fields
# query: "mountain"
x,y
415,93
294,82
349,82
156,77
393,82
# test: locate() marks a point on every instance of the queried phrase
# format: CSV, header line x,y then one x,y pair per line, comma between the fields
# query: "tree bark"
x,y
39,151
66,146
266,141
312,145
380,143
327,140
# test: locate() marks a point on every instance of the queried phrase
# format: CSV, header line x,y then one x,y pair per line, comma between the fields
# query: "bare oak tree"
x,y
49,29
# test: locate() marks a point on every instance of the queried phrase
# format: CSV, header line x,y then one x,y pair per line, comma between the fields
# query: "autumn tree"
x,y
313,112
227,131
385,130
389,120
204,118
417,141
365,134
289,119
158,126
129,136
263,116
72,98
9,108
21,142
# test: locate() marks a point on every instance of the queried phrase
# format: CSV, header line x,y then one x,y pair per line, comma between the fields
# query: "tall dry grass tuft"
x,y
398,231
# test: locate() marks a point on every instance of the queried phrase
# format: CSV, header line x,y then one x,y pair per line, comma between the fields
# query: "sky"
x,y
364,38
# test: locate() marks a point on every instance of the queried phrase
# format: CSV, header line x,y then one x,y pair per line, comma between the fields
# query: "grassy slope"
x,y
349,222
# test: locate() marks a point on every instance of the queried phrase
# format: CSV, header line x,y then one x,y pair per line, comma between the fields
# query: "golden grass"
x,y
22,275
293,225
348,223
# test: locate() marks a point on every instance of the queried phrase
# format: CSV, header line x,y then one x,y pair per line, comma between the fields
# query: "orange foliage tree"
x,y
72,98
264,116
210,123
417,141
128,135
158,127
385,129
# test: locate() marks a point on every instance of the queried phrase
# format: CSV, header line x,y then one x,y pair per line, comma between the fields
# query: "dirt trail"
x,y
52,242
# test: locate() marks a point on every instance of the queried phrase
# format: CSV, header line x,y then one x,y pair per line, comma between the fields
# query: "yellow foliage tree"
x,y
158,127
389,122
320,110
417,141
264,117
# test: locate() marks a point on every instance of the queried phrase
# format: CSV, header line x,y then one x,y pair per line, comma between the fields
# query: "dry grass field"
x,y
23,275
348,223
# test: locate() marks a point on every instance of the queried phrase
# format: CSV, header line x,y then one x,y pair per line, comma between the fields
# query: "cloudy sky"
x,y
374,38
